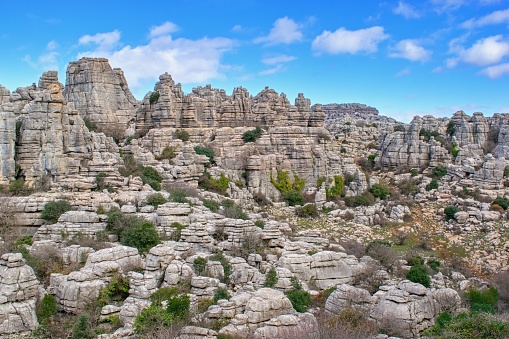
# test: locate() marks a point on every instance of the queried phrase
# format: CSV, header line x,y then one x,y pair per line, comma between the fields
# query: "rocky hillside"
x,y
208,215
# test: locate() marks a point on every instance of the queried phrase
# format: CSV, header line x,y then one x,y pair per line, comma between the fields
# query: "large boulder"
x,y
19,291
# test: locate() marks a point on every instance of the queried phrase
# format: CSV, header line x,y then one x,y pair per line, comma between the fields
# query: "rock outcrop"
x,y
19,292
100,94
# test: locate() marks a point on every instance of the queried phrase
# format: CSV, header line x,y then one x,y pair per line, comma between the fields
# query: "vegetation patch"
x,y
54,209
201,150
252,135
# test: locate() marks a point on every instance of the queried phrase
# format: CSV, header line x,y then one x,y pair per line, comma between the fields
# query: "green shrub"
x,y
379,191
116,221
179,196
415,261
211,205
299,298
451,128
433,185
200,265
221,293
502,202
47,308
271,278
284,183
399,128
154,97
455,150
336,190
208,183
232,210
139,233
151,318
419,274
365,199
227,267
17,187
182,135
450,211
169,152
434,264
439,171
116,291
81,328
178,306
177,232
307,211
149,175
506,171
427,134
252,135
260,223
99,181
414,172
54,209
205,151
483,300
294,198
24,240
469,326
156,199
320,181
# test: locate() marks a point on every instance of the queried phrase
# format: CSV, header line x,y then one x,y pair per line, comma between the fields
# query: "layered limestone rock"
x,y
71,224
100,94
207,107
19,292
410,308
75,290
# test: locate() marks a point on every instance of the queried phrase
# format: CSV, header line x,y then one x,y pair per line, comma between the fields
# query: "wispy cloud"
x,y
497,17
187,60
47,60
278,59
276,69
411,50
406,10
284,31
497,71
403,72
353,42
442,6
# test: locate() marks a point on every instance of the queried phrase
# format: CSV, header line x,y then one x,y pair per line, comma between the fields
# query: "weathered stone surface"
x,y
19,292
346,296
100,93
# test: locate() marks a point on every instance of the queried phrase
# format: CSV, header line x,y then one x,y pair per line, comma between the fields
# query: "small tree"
x,y
252,135
139,233
271,278
154,97
182,135
450,211
81,328
54,209
379,191
199,265
419,274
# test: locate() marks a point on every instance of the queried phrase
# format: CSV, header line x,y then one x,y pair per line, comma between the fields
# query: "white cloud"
x,y
284,31
410,49
403,72
237,28
345,41
278,59
442,6
273,70
164,29
494,72
46,61
406,10
104,41
497,17
486,51
188,61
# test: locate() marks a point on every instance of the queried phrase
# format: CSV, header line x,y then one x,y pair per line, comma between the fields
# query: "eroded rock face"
x,y
19,291
100,93
410,308
74,290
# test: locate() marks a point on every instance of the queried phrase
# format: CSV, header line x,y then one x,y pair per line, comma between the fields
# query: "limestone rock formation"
x,y
100,94
19,292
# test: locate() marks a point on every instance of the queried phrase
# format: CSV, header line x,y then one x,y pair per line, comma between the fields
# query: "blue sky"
x,y
405,58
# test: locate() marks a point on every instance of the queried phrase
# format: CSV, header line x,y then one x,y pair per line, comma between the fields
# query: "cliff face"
x,y
100,94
